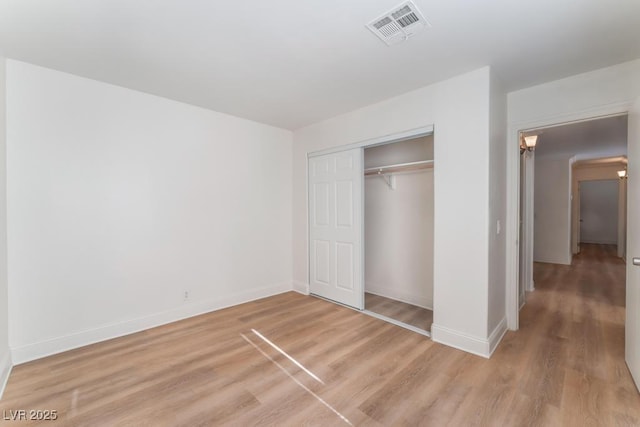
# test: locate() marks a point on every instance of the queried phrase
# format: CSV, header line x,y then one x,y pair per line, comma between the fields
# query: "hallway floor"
x,y
572,329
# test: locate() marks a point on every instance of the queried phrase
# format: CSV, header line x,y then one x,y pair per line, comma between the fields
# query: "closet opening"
x,y
398,232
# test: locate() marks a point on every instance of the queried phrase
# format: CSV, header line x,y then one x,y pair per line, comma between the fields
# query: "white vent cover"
x,y
399,23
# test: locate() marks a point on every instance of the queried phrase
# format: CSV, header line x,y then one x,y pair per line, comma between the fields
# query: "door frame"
x,y
528,186
513,190
622,218
380,140
372,142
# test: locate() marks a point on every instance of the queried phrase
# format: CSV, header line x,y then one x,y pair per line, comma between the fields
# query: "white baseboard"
x,y
474,345
496,335
5,370
41,349
301,287
464,342
392,293
566,261
531,287
607,242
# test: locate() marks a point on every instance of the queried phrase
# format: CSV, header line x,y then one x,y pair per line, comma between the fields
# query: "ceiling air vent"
x,y
399,23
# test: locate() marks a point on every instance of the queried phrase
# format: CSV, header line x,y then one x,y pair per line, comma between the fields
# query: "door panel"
x,y
335,227
322,256
321,200
632,323
344,265
344,204
599,211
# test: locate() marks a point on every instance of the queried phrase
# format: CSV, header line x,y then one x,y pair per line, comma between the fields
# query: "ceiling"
x,y
593,139
290,63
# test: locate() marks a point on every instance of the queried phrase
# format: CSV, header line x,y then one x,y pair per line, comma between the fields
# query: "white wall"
x,y
399,225
599,212
120,201
5,355
601,92
497,209
552,210
459,110
411,150
576,96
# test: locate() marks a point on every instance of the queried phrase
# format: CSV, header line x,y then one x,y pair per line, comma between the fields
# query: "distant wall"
x,y
599,212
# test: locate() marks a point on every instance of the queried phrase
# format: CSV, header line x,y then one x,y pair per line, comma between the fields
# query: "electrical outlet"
x,y
186,295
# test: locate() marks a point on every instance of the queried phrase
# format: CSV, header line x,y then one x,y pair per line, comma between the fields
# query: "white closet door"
x,y
336,227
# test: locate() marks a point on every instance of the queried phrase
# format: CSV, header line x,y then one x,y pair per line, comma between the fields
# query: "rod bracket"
x,y
389,179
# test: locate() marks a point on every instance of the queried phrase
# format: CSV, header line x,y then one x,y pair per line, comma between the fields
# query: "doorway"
x,y
567,156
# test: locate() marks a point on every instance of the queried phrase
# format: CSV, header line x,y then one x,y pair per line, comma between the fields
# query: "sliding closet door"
x,y
336,227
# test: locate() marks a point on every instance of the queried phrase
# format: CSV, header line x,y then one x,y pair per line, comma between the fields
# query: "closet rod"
x,y
400,167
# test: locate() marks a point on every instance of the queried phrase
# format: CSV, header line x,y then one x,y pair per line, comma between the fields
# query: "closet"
x,y
398,231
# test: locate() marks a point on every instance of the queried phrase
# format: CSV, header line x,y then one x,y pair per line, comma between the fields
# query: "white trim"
x,y
300,287
461,341
585,115
381,140
5,371
397,323
56,345
513,189
525,276
609,242
393,294
497,335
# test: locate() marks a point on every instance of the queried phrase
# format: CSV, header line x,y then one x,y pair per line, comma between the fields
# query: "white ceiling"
x,y
593,139
290,63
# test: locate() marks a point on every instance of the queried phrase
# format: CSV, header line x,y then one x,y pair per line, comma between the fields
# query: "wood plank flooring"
x,y
294,360
398,310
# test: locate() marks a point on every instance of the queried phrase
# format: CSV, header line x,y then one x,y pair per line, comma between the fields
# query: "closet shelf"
x,y
400,167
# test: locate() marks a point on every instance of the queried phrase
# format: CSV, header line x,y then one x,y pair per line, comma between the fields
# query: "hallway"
x,y
572,327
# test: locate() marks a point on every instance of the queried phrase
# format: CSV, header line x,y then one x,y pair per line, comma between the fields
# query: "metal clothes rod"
x,y
400,167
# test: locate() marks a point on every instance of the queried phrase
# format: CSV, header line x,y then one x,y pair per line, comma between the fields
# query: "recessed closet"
x,y
371,228
398,231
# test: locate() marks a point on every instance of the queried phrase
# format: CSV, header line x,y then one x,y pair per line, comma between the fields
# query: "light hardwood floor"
x,y
400,311
564,367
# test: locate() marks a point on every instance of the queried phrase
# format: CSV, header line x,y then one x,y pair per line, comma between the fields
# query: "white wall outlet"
x,y
498,227
186,295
